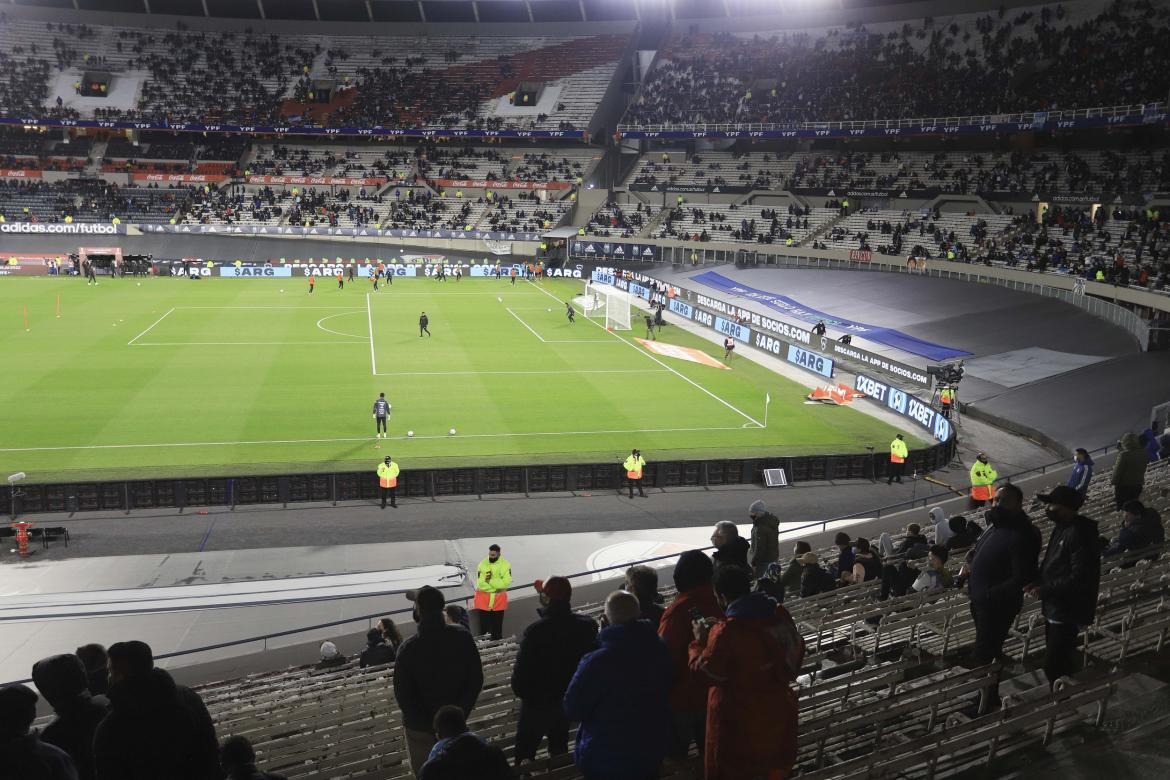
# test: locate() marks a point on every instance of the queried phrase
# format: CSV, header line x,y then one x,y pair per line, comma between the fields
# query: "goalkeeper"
x,y
569,312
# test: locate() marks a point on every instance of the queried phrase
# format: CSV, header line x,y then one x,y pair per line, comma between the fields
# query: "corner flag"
x,y
767,398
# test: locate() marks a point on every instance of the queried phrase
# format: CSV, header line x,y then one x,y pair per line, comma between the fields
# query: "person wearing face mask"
x,y
1069,579
492,578
1082,472
550,650
1001,565
983,476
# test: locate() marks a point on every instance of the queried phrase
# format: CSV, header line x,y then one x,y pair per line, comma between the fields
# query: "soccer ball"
x,y
410,434
282,290
550,309
140,284
451,432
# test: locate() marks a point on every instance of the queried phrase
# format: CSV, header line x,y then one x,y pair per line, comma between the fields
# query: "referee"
x,y
381,416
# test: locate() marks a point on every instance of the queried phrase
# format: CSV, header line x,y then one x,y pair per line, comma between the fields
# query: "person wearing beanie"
x,y
63,681
330,656
550,650
439,665
765,541
377,652
688,691
22,752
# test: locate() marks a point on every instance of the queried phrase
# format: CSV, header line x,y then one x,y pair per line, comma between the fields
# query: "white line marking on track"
x,y
370,320
337,332
664,365
361,438
156,322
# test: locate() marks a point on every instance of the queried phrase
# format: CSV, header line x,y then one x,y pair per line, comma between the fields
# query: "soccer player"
x,y
312,281
650,328
389,275
90,277
423,322
374,278
349,271
381,416
728,348
340,281
514,272
569,312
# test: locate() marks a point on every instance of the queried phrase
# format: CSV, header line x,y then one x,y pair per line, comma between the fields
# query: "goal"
x,y
606,304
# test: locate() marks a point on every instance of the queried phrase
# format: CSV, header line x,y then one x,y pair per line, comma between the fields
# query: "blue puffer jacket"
x,y
620,697
1081,475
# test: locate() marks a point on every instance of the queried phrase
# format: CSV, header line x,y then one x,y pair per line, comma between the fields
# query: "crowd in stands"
x,y
88,200
1074,57
614,221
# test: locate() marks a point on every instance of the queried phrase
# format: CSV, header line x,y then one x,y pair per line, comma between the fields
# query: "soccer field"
x,y
220,376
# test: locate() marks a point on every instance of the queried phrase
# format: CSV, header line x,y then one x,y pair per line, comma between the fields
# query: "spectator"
x,y
438,665
155,728
550,650
688,692
790,580
1069,579
22,753
96,671
642,581
765,542
1001,566
619,695
61,679
844,554
936,576
938,521
493,576
964,533
1140,528
390,633
867,564
731,549
1082,471
1129,470
237,759
461,755
457,615
377,652
751,658
814,579
913,545
331,657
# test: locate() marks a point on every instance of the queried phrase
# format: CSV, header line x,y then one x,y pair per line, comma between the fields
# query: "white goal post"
x,y
608,304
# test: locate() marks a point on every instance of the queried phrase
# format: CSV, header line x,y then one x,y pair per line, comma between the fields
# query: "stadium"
x,y
600,389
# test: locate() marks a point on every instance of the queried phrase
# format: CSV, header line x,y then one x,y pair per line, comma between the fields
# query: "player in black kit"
x,y
572,315
422,325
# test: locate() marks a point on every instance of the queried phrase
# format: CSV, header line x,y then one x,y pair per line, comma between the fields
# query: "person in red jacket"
x,y
751,658
688,692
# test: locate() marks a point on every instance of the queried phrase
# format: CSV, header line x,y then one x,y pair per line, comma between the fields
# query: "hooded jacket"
x,y
439,665
619,695
466,757
1082,474
155,729
942,530
688,693
1004,560
1070,575
376,654
27,757
751,658
734,553
62,680
550,650
1129,470
765,541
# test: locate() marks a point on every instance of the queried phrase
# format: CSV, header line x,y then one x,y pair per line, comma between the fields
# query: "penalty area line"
x,y
156,322
343,440
683,377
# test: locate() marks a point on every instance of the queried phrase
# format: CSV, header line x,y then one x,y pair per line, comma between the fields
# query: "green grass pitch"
x,y
221,376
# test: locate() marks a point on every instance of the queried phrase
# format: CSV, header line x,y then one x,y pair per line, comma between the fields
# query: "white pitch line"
x,y
240,343
370,320
361,438
288,308
534,373
525,324
156,322
337,332
664,365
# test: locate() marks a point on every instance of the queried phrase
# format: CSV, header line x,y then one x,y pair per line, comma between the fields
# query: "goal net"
x,y
607,304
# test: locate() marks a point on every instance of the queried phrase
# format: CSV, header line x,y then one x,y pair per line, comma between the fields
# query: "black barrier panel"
x,y
363,485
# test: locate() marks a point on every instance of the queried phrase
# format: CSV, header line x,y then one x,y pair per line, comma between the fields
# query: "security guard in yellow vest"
x,y
898,454
635,465
388,481
983,477
946,398
492,578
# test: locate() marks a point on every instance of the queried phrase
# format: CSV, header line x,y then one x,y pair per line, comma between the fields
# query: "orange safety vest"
x,y
981,492
896,458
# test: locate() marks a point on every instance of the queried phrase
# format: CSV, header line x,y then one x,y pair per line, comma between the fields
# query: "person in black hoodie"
x,y
731,549
23,756
377,652
155,728
642,581
62,680
1069,580
550,650
439,665
460,754
238,760
96,668
1001,565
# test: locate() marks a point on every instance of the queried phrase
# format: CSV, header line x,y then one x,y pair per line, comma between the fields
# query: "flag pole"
x,y
767,403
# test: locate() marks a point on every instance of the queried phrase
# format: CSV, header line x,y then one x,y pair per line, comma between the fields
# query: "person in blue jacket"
x,y
1082,473
620,696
